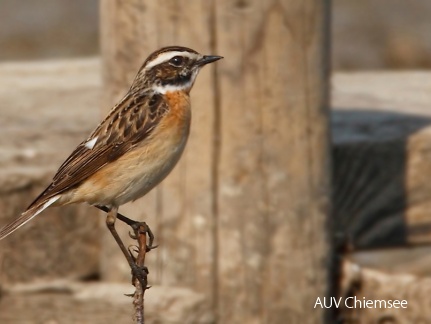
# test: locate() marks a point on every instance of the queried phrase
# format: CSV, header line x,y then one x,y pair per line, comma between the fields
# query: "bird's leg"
x,y
134,225
137,272
121,217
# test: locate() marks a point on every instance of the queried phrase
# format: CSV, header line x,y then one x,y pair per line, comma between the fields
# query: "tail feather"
x,y
25,217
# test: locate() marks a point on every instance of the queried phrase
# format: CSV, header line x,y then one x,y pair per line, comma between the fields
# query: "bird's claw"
x,y
151,247
143,228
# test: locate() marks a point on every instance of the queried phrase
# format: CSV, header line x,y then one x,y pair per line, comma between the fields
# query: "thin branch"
x,y
139,278
141,232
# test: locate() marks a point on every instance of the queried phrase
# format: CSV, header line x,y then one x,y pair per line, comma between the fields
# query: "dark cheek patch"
x,y
177,80
166,74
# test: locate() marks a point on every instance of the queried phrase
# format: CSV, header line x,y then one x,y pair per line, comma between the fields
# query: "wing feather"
x,y
129,123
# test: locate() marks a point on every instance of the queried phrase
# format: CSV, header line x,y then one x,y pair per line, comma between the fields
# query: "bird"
x,y
134,148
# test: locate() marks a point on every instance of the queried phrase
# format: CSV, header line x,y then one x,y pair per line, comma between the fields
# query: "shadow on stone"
x,y
370,155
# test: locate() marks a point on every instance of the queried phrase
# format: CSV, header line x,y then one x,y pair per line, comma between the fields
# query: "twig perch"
x,y
140,272
140,234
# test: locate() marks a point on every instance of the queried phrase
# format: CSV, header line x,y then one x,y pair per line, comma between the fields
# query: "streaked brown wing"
x,y
129,123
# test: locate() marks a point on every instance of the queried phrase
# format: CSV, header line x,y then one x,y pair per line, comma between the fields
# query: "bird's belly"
x,y
146,176
134,174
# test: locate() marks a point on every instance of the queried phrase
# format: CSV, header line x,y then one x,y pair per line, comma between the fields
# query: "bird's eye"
x,y
176,61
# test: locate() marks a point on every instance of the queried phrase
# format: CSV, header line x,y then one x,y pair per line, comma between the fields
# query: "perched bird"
x,y
135,147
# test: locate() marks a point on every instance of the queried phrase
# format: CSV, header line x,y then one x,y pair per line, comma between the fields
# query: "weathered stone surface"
x,y
100,303
368,284
381,157
47,109
42,29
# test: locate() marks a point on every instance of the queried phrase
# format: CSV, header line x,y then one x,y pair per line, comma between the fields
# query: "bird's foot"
x,y
140,228
140,273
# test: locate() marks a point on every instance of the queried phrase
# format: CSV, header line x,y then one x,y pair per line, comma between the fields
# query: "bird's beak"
x,y
208,59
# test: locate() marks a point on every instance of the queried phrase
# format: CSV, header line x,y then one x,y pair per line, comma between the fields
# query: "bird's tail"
x,y
26,216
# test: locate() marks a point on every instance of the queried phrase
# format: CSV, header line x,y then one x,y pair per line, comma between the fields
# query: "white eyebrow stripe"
x,y
90,144
167,56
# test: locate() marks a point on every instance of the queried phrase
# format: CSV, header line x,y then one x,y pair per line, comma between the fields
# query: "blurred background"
x,y
384,34
381,151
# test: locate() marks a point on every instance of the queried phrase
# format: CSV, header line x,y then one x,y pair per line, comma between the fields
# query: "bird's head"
x,y
172,68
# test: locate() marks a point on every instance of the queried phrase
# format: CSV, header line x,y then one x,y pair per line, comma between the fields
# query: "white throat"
x,y
162,89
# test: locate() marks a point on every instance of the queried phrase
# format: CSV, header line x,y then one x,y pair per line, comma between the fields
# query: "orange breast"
x,y
179,112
